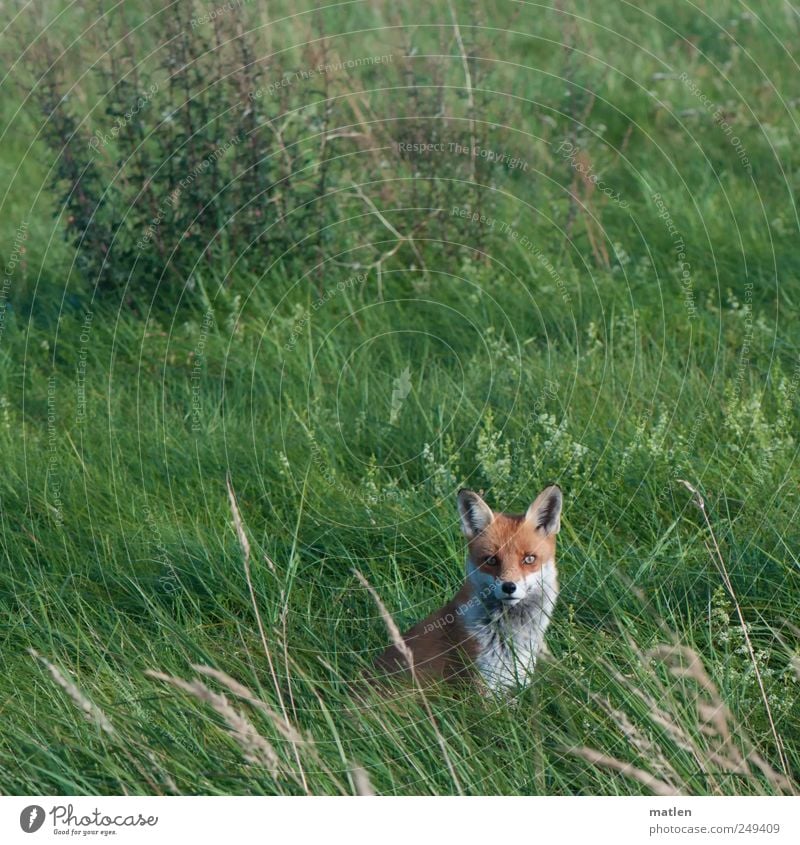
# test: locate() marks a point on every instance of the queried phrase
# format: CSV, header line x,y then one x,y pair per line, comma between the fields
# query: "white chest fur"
x,y
509,639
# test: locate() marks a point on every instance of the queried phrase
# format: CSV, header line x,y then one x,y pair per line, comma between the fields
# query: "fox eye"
x,y
529,559
491,561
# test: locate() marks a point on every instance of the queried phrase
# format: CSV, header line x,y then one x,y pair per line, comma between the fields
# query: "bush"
x,y
196,150
208,151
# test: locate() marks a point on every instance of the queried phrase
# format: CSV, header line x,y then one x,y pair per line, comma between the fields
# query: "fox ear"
x,y
475,513
545,512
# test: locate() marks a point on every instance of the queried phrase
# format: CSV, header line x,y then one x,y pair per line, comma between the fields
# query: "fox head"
x,y
509,555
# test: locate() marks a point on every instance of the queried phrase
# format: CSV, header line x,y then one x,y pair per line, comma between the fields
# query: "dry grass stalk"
x,y
718,751
658,715
90,710
394,632
361,781
723,570
401,645
377,265
715,720
643,744
664,710
677,734
245,544
239,525
285,728
713,714
94,714
597,758
473,142
256,748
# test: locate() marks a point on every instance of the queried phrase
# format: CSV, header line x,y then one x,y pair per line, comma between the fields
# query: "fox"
x,y
493,629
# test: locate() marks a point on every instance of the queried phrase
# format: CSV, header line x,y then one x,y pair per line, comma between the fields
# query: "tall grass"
x,y
188,492
141,571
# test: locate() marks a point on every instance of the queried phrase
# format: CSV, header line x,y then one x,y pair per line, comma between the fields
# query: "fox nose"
x,y
509,587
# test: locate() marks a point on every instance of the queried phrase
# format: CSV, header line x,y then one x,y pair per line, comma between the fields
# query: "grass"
x,y
346,416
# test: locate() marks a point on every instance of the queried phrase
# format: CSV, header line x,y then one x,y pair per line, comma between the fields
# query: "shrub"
x,y
206,153
199,154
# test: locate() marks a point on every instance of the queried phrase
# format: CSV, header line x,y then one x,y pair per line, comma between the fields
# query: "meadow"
x,y
428,247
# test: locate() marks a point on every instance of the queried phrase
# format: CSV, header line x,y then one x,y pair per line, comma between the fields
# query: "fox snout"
x,y
499,588
509,592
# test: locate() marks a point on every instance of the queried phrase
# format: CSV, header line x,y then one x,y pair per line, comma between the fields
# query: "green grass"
x,y
119,553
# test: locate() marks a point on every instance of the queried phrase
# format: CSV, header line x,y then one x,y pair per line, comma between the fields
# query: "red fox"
x,y
496,622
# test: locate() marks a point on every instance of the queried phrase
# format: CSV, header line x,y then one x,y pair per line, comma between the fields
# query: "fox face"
x,y
510,556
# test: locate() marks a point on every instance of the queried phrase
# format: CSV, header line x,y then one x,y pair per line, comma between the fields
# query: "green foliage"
x,y
355,364
187,160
